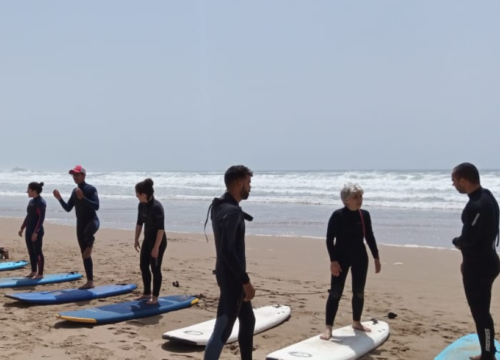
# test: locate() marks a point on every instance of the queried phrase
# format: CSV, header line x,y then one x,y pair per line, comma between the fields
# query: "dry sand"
x,y
422,286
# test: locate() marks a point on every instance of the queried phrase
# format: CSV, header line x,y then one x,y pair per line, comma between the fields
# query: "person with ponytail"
x,y
152,216
33,223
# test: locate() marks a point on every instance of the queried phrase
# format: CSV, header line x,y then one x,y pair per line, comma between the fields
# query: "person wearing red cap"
x,y
86,203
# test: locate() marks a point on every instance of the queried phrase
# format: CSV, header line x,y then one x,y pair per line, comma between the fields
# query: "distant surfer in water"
x,y
33,223
347,229
150,214
86,203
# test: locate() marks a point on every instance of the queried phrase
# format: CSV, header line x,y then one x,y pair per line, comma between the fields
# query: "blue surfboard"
x,y
12,265
72,295
463,348
19,281
128,310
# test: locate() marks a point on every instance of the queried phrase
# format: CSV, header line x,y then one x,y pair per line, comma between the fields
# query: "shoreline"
x,y
209,234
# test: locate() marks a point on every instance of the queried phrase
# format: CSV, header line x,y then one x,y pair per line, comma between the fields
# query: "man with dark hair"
x,y
236,290
478,241
86,203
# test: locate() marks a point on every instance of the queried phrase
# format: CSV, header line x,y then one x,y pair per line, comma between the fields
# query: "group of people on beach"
x,y
347,230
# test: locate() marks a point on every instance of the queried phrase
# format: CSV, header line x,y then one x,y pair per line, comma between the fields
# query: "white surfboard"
x,y
345,344
266,317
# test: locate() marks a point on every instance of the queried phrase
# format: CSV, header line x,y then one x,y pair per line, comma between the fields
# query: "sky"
x,y
186,85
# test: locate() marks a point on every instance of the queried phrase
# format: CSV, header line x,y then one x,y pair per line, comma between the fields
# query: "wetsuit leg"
x,y
145,262
336,290
230,302
359,270
37,247
85,233
478,293
31,251
156,268
246,319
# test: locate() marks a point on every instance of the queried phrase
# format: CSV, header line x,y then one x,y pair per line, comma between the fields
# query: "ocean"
x,y
410,208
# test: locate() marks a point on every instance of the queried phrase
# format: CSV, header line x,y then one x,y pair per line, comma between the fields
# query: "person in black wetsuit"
x,y
33,223
152,216
478,241
349,226
85,200
236,290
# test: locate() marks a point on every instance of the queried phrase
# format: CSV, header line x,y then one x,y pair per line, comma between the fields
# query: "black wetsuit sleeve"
x,y
140,222
40,211
331,233
92,199
70,204
229,229
159,216
370,237
471,228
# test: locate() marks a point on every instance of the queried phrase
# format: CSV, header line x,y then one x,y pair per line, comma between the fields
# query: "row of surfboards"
x,y
346,343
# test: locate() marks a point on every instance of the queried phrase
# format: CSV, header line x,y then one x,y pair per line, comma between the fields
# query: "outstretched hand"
x,y
57,195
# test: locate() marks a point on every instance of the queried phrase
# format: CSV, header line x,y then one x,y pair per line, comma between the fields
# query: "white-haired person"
x,y
347,229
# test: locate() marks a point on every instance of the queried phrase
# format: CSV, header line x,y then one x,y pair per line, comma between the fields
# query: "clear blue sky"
x,y
201,85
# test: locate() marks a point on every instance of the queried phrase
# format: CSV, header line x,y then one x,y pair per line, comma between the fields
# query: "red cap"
x,y
78,170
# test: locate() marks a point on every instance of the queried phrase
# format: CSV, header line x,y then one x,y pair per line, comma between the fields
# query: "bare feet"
x,y
88,285
37,276
356,325
30,275
144,297
153,301
327,334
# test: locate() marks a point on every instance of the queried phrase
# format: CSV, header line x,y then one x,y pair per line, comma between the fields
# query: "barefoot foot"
x,y
356,325
88,285
30,275
327,334
153,301
143,297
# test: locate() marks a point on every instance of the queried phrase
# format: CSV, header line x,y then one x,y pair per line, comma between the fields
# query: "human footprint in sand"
x,y
33,223
152,216
347,229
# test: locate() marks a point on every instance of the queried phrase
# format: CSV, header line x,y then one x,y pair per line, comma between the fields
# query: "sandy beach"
x,y
422,286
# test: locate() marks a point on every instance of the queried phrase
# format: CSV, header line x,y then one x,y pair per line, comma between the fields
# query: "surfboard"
x,y
463,348
345,344
72,295
266,317
128,310
20,281
12,265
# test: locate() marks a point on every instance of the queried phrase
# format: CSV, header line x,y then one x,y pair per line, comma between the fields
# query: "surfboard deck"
x,y
128,310
12,265
20,281
345,344
266,317
72,295
463,348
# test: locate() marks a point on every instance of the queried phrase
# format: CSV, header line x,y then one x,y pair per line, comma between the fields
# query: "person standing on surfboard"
x,y
152,216
86,203
236,290
33,223
349,226
478,241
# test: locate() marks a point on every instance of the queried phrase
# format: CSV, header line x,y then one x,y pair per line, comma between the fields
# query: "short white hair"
x,y
349,190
